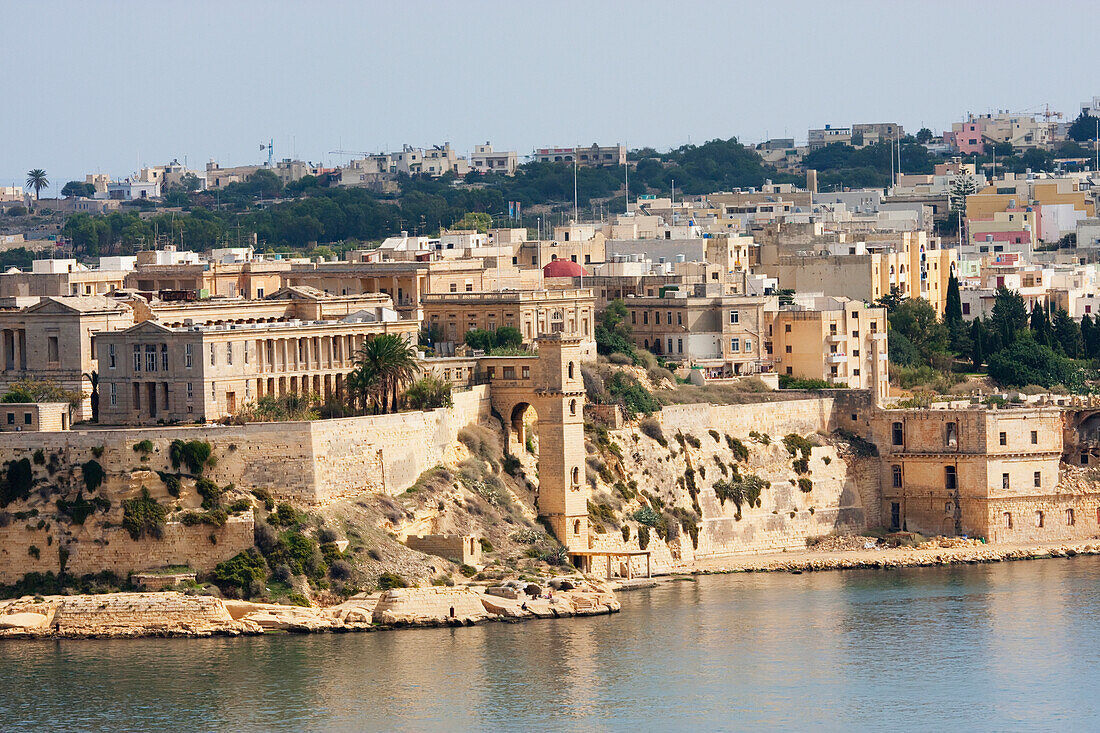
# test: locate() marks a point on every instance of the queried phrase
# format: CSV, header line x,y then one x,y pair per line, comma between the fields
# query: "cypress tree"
x,y
952,312
977,343
1040,326
1089,337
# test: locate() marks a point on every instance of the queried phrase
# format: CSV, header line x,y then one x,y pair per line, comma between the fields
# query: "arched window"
x,y
576,475
576,526
572,407
570,370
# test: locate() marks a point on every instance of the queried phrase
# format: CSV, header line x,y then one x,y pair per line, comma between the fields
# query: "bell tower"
x,y
559,400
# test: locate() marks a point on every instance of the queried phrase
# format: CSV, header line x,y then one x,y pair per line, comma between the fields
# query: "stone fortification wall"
x,y
457,548
95,548
775,418
309,462
305,462
388,453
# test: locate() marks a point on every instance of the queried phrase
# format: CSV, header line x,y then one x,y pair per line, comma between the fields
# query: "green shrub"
x,y
97,451
626,533
643,537
240,505
468,570
210,492
143,516
486,545
340,570
805,485
647,516
17,482
600,514
795,444
512,465
428,393
145,447
214,518
171,482
788,382
652,429
195,454
388,580
740,450
241,572
34,552
762,438
39,457
93,474
79,510
265,496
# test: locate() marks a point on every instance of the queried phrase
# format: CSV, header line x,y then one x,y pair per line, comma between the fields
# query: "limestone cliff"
x,y
697,481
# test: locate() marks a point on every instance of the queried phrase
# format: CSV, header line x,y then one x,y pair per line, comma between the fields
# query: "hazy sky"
x,y
110,86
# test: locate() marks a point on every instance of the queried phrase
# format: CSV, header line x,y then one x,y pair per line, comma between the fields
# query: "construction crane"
x,y
353,153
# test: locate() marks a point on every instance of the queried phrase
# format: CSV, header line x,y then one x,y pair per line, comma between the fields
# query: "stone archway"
x,y
523,418
550,386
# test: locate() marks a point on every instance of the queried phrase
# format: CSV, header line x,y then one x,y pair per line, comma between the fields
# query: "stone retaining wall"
x,y
314,462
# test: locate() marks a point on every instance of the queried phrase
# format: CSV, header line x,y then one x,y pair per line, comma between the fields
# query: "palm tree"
x,y
36,179
94,379
383,366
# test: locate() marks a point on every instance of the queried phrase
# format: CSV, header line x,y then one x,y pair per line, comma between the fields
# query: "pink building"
x,y
967,137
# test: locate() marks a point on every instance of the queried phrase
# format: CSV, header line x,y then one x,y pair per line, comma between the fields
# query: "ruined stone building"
x,y
992,473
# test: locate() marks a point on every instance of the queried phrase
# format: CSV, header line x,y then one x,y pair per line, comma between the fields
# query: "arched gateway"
x,y
551,384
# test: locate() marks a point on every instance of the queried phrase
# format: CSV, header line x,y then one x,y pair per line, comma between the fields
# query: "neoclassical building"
x,y
152,372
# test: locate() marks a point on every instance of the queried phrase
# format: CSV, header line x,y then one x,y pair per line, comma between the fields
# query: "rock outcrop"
x,y
113,615
120,615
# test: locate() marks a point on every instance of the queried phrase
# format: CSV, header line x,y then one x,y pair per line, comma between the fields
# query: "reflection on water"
x,y
1000,646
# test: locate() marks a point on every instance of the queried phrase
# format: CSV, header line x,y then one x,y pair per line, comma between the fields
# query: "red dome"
x,y
563,268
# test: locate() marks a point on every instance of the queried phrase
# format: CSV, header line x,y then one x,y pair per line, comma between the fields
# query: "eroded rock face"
x,y
24,620
120,615
422,606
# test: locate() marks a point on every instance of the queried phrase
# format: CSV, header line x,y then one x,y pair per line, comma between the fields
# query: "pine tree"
x,y
1067,333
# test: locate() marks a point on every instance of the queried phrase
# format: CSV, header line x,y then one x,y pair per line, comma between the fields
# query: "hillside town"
x,y
290,380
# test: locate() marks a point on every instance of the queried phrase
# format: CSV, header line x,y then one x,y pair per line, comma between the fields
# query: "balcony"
x,y
835,338
880,335
838,358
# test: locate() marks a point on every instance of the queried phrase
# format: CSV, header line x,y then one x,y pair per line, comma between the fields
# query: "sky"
x,y
111,86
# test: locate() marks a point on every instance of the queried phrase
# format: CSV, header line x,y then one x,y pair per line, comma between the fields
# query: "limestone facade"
x,y
55,339
551,385
462,549
153,373
533,312
34,416
723,334
834,339
981,472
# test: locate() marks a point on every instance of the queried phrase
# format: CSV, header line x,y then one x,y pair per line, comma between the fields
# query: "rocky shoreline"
x,y
938,552
175,614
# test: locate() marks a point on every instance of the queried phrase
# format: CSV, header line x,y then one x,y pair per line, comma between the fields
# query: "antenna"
x,y
575,217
